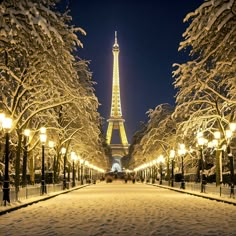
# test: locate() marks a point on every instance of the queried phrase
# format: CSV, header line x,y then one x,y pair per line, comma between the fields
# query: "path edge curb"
x,y
2,212
195,194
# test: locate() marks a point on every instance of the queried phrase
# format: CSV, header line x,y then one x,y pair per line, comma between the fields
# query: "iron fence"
x,y
210,188
34,191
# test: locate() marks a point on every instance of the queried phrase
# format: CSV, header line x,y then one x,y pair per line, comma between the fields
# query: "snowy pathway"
x,y
122,209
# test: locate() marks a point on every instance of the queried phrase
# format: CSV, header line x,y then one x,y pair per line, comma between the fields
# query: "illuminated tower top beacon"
x,y
116,120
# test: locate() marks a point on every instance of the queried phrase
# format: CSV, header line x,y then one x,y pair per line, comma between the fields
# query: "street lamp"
x,y
24,168
73,158
63,152
216,144
6,125
201,142
86,171
172,156
182,152
160,160
81,172
43,138
154,162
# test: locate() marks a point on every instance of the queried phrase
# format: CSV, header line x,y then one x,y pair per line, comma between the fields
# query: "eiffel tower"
x,y
116,121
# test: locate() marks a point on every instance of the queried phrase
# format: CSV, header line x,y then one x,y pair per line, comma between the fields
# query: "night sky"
x,y
149,33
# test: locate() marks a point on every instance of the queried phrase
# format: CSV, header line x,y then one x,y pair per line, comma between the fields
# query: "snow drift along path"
x,y
122,209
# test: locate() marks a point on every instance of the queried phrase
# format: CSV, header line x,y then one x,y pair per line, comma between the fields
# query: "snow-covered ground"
x,y
122,209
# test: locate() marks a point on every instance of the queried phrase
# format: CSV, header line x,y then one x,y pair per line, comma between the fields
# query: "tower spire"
x,y
116,38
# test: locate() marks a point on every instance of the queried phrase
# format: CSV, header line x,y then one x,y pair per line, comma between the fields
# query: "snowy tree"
x,y
39,73
156,138
135,150
206,84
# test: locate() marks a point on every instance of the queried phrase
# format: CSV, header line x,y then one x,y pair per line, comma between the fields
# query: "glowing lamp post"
x,y
201,142
43,139
81,172
86,170
216,141
160,160
6,125
154,173
172,156
24,168
73,158
63,152
182,152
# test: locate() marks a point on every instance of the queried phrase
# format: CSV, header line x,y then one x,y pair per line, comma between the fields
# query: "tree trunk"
x,y
31,168
168,171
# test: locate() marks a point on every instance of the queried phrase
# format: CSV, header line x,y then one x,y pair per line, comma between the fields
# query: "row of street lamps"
x,y
215,143
74,159
201,142
6,126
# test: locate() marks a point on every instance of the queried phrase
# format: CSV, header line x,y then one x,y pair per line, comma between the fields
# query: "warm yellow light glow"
x,y
73,156
232,126
228,133
43,130
2,117
51,144
7,123
215,142
161,159
191,150
43,138
199,134
27,132
116,103
154,162
201,141
217,135
63,150
172,154
116,121
210,144
182,149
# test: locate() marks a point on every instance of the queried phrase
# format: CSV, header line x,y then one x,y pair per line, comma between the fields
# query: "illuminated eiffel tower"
x,y
116,121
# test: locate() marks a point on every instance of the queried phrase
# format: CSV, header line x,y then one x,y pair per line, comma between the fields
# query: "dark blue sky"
x,y
149,33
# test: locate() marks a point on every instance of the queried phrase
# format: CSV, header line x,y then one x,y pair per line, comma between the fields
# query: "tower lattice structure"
x,y
116,120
